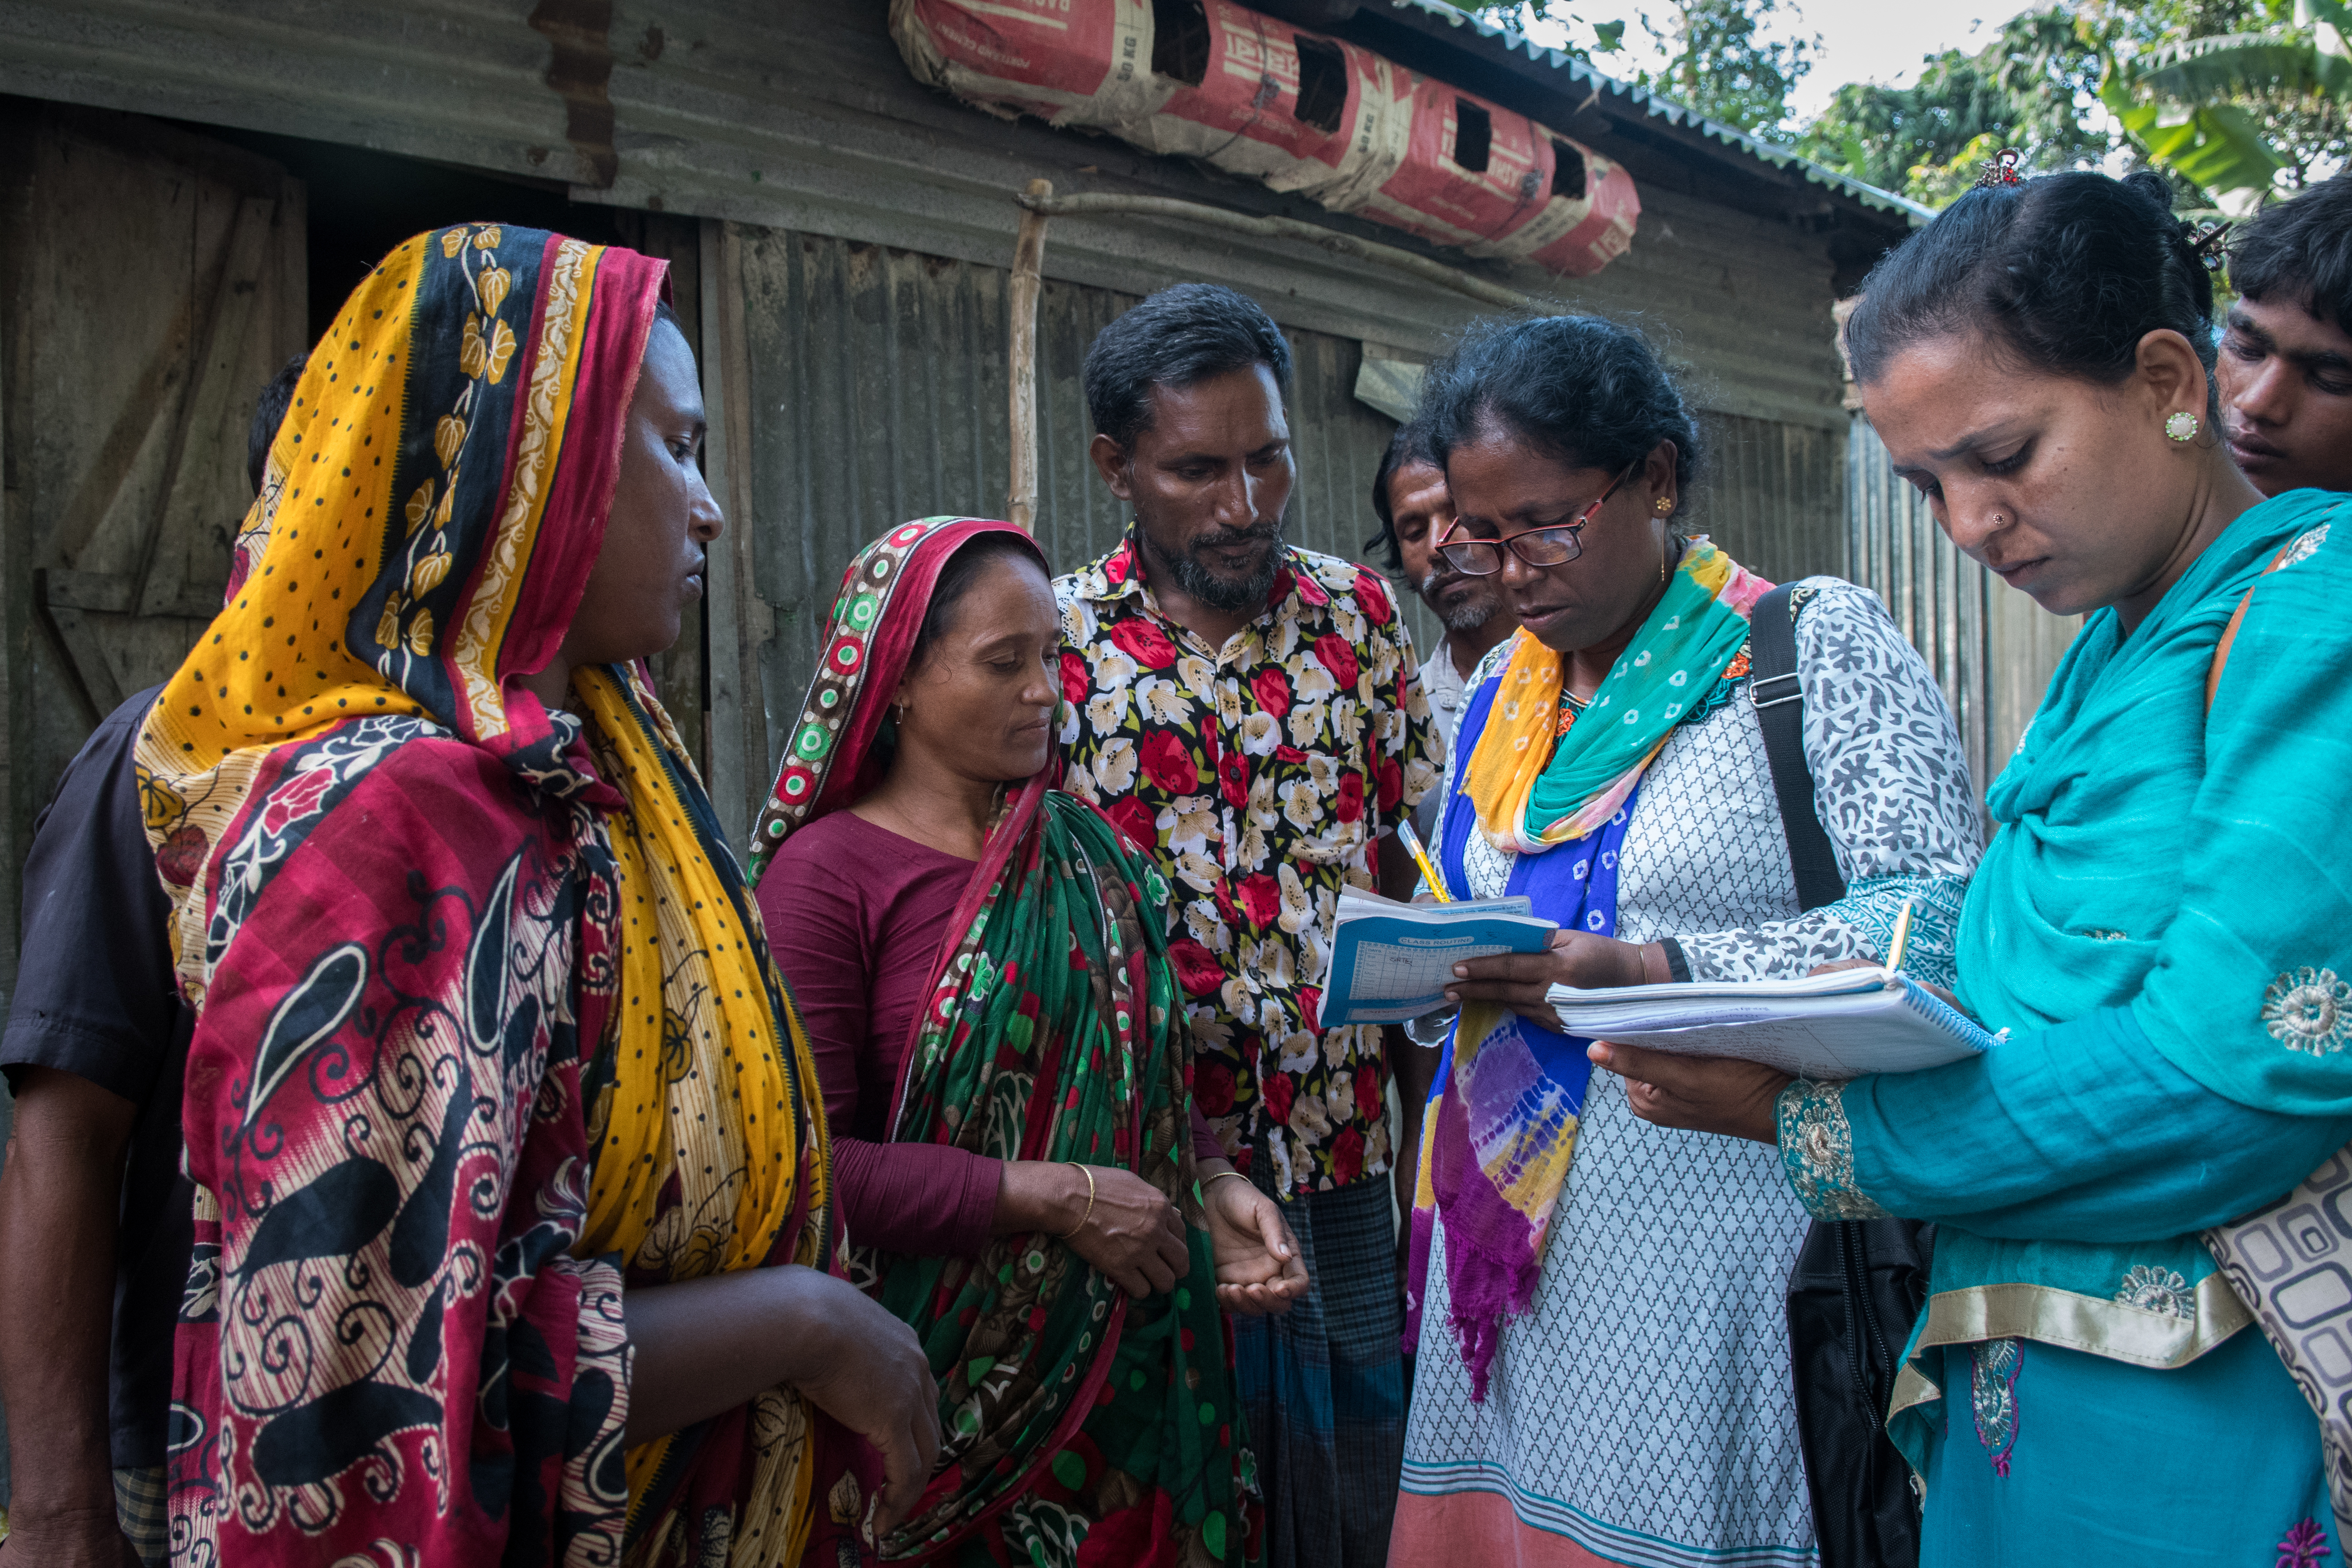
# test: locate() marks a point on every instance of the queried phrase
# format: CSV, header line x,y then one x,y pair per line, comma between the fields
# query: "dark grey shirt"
x,y
95,997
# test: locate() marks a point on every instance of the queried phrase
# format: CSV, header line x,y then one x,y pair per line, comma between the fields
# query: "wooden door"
x,y
150,281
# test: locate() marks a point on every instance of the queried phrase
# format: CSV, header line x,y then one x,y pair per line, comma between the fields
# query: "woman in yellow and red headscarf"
x,y
514,1229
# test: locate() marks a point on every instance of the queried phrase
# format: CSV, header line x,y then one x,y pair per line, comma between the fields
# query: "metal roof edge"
x,y
1518,52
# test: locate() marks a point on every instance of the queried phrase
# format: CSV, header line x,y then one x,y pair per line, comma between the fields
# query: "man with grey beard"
x,y
1410,498
1248,713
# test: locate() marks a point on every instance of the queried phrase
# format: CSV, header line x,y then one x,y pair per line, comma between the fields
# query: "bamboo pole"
x,y
1021,362
1039,203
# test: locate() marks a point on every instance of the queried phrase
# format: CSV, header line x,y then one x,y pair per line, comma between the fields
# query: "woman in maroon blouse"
x,y
981,961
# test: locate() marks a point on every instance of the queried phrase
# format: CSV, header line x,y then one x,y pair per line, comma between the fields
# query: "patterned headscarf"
x,y
487,1024
867,648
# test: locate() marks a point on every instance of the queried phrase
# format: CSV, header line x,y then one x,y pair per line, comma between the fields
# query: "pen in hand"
x,y
1411,842
1902,938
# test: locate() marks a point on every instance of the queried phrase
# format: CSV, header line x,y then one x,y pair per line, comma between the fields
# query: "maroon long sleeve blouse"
x,y
855,917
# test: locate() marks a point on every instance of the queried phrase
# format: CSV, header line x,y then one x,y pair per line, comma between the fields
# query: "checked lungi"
x,y
1323,1385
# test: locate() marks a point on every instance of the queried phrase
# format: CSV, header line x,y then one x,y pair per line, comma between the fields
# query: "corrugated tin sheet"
x,y
1992,648
1740,305
435,79
1771,495
807,120
450,79
878,392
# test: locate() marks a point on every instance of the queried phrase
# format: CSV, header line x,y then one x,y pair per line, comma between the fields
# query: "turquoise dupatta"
x,y
2149,855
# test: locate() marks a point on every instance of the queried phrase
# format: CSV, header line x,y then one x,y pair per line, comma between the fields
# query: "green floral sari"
x,y
1081,1425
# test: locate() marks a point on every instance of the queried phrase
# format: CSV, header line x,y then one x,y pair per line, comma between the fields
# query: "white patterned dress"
x,y
1641,1411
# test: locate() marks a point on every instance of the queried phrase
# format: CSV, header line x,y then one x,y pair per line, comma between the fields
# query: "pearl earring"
x,y
2181,426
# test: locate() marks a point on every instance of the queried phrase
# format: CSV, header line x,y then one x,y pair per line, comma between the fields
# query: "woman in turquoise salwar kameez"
x,y
2163,924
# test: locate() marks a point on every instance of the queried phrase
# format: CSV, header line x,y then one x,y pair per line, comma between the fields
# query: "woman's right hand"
x,y
1523,980
706,1345
1133,1233
876,1381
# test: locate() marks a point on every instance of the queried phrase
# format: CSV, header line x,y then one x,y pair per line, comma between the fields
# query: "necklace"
x,y
1570,705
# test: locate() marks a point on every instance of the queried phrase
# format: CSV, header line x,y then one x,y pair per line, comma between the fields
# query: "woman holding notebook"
x,y
1605,1370
2163,925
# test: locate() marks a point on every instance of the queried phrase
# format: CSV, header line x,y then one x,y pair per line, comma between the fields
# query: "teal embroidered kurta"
x,y
2164,925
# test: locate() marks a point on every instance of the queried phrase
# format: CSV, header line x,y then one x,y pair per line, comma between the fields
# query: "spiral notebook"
x,y
1842,1024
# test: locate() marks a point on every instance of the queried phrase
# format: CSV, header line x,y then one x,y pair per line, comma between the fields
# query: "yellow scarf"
x,y
710,1097
1535,787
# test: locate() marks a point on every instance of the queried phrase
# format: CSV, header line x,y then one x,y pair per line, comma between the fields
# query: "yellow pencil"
x,y
1411,842
1902,938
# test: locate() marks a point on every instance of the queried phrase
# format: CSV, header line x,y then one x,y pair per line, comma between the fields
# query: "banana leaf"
x,y
2196,70
2215,147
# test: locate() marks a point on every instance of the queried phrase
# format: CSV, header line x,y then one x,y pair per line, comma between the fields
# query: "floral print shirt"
x,y
1262,774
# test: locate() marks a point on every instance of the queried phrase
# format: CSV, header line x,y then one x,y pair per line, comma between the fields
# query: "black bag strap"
x,y
1779,700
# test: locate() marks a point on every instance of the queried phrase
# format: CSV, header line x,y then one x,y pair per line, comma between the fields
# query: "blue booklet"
x,y
1391,961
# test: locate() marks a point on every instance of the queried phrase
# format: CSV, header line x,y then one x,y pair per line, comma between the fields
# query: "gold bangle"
x,y
1220,1176
1086,1171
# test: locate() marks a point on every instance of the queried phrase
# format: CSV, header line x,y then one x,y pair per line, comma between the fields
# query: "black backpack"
x,y
1857,1286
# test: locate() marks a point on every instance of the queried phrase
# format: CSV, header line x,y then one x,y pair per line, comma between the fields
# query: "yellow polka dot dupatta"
x,y
487,1033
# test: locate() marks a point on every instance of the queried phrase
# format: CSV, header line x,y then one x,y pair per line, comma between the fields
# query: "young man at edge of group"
x,y
1249,711
2285,366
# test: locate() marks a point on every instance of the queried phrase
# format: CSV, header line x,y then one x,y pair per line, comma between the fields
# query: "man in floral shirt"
x,y
1250,712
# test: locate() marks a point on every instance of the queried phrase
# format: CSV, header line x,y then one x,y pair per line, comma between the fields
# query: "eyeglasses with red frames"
x,y
1554,546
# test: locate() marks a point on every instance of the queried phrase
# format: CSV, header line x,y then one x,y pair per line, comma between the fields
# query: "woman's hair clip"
x,y
2205,243
2000,169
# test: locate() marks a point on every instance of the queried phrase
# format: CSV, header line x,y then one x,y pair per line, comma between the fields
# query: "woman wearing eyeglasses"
x,y
1605,1370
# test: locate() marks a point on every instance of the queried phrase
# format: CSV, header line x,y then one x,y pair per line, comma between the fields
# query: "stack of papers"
x,y
1391,961
1846,1024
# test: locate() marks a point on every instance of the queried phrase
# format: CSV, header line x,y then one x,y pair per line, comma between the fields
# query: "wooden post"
x,y
737,621
1021,360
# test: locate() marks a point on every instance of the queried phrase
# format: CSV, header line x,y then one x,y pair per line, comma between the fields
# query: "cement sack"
x,y
1071,63
1256,97
1473,174
1587,223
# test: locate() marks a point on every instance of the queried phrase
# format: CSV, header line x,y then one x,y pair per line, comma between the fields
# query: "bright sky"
x,y
1862,40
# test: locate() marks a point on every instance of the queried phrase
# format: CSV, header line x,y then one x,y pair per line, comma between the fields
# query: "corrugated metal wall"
x,y
877,392
800,114
1992,648
1768,494
877,388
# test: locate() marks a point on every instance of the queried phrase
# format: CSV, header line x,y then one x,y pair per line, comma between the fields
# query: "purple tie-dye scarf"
x,y
1502,1118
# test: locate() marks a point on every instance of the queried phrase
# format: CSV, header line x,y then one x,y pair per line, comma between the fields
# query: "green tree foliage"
x,y
2223,95
2233,95
2028,88
1719,59
1607,38
1720,63
2230,98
